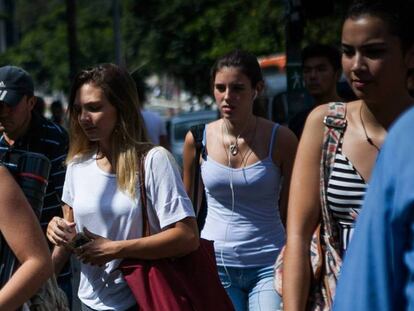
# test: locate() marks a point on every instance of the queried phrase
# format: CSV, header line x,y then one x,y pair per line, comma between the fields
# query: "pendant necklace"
x,y
368,139
234,147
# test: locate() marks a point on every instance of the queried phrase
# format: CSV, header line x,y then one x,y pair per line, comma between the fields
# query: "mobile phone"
x,y
79,239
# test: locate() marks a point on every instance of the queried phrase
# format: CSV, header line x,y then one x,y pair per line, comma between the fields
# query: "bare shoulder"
x,y
352,111
317,115
284,134
210,127
214,125
312,135
285,141
314,125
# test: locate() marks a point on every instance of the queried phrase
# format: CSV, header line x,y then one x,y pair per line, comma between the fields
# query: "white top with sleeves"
x,y
103,209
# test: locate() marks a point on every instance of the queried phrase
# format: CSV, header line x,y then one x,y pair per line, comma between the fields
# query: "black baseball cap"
x,y
14,84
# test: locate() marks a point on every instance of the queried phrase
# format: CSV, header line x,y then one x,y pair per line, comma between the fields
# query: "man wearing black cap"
x,y
24,130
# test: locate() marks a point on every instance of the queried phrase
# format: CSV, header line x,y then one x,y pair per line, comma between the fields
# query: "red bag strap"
x,y
141,178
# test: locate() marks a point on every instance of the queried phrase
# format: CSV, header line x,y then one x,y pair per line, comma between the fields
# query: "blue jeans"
x,y
250,288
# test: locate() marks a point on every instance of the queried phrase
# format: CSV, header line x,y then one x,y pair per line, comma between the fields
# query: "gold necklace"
x,y
369,140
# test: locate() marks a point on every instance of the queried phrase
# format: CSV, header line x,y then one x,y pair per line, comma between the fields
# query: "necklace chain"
x,y
234,148
368,139
249,151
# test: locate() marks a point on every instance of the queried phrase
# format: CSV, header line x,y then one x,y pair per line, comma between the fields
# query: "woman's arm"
x,y
284,151
303,212
189,150
169,201
177,240
60,231
22,231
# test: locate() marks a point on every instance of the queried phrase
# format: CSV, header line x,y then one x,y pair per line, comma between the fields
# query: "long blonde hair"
x,y
129,138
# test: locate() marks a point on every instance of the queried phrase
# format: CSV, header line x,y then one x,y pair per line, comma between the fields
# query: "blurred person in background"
x,y
27,131
58,113
154,123
40,106
322,69
20,231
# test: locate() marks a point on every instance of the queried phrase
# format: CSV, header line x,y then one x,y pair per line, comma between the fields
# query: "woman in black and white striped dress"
x,y
346,190
377,52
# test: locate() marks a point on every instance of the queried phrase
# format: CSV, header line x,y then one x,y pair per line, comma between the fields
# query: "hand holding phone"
x,y
79,239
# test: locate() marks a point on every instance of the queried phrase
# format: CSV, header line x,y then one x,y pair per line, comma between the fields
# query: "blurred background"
x,y
171,43
170,46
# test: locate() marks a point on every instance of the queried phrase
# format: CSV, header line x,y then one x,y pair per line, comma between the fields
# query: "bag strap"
x,y
198,132
335,125
141,178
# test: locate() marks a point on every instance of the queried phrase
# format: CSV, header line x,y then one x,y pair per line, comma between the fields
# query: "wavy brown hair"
x,y
129,138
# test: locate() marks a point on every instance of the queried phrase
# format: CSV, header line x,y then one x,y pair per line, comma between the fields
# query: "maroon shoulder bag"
x,y
186,283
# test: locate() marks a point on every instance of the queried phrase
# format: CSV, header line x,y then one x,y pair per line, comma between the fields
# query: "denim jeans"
x,y
250,288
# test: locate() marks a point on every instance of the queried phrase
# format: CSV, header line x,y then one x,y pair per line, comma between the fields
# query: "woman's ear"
x,y
259,88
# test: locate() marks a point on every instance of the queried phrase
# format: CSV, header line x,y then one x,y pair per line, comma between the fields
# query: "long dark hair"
x,y
398,14
248,64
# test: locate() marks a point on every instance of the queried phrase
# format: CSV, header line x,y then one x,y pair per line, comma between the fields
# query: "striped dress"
x,y
345,194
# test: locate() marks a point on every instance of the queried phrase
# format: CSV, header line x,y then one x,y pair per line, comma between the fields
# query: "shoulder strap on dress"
x,y
272,139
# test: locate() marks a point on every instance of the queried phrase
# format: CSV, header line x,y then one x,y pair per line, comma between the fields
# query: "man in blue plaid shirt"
x,y
23,130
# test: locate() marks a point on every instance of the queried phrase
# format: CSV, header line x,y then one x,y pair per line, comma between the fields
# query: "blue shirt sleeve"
x,y
377,273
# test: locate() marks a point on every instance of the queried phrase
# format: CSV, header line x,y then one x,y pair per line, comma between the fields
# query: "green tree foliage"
x,y
42,42
43,49
184,37
181,38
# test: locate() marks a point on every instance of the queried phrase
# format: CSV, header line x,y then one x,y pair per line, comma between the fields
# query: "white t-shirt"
x,y
103,209
155,126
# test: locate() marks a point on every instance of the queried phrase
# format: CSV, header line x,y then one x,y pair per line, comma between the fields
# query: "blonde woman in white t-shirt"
x,y
106,142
